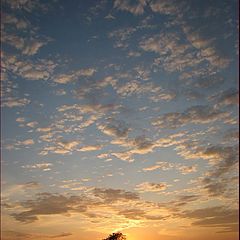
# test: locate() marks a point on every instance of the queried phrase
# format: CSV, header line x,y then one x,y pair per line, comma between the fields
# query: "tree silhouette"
x,y
116,236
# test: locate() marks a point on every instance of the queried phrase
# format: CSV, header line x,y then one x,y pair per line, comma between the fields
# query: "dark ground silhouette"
x,y
116,236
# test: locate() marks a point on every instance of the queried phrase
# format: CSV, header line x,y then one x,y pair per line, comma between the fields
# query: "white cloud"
x,y
45,129
26,142
90,148
15,102
32,124
42,166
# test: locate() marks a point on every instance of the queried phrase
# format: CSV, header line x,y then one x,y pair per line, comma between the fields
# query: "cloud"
x,y
223,161
151,90
64,78
28,5
133,213
209,82
124,156
48,204
61,235
45,129
72,119
152,168
151,187
219,217
12,235
218,180
168,7
68,145
226,98
110,195
185,199
61,147
115,129
109,16
214,187
13,40
32,124
106,82
209,212
15,102
27,142
90,148
87,72
15,190
188,169
36,69
85,114
11,19
141,145
174,55
125,5
128,89
138,214
33,47
121,36
42,166
137,145
167,166
27,45
200,114
231,135
201,38
35,74
60,92
67,78
212,56
222,157
134,54
52,204
30,185
20,119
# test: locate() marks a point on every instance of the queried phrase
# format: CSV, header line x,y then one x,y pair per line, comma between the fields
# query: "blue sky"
x,y
119,116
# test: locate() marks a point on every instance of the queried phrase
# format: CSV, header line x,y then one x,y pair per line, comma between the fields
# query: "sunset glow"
x,y
119,116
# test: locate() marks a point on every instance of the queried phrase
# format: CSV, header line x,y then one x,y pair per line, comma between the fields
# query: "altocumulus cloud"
x,y
151,187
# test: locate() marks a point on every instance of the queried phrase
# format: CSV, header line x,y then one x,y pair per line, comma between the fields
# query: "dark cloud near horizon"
x,y
13,235
218,217
50,204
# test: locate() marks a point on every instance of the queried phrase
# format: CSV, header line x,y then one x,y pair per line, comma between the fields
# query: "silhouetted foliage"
x,y
116,236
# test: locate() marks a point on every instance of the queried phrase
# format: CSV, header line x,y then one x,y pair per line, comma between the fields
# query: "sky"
x,y
119,115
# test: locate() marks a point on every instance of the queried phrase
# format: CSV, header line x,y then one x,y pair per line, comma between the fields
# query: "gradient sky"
x,y
119,115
